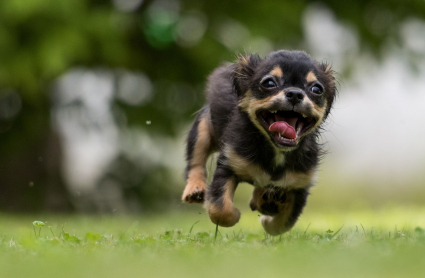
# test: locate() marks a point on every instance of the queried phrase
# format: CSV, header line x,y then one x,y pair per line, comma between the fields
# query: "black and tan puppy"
x,y
263,117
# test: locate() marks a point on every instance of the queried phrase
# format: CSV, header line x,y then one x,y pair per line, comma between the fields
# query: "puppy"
x,y
263,116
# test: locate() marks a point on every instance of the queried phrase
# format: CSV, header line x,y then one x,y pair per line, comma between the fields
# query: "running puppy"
x,y
263,117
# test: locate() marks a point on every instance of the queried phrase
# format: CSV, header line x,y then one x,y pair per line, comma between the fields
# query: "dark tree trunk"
x,y
30,164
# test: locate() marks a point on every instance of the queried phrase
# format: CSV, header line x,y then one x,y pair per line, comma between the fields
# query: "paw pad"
x,y
198,196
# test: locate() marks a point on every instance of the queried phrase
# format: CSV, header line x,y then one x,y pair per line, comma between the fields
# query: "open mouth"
x,y
285,127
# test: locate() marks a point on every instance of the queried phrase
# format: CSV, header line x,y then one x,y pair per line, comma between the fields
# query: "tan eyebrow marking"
x,y
277,71
311,77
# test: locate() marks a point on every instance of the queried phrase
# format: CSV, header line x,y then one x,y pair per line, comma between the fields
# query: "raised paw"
x,y
194,194
269,201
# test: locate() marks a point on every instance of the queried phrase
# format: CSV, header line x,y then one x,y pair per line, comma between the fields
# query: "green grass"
x,y
389,242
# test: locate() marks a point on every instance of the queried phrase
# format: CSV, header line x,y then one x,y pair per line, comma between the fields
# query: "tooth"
x,y
304,115
274,111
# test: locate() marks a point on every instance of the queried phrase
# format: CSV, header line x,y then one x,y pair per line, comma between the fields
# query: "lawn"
x,y
386,242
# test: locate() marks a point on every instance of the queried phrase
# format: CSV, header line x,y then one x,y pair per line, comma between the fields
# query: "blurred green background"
x,y
96,97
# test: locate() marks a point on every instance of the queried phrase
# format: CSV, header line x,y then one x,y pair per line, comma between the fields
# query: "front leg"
x,y
219,202
199,147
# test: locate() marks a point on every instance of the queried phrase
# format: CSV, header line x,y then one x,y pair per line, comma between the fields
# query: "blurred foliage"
x,y
41,39
175,43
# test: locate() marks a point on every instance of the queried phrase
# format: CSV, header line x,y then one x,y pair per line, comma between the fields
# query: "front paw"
x,y
226,216
194,193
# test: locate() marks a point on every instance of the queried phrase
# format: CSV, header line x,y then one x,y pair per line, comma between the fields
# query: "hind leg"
x,y
269,200
279,213
199,147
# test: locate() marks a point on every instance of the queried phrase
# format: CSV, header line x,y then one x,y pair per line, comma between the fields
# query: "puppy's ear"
x,y
244,69
328,75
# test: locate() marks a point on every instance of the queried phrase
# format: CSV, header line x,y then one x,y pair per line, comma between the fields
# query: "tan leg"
x,y
198,150
220,198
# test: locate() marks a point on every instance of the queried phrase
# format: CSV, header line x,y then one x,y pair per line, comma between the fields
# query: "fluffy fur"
x,y
244,100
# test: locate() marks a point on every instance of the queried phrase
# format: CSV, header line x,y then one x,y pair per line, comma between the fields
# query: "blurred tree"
x,y
173,42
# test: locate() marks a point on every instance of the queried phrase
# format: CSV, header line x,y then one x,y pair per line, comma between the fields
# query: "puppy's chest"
x,y
253,173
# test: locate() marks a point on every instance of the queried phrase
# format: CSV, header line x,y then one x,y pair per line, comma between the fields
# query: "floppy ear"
x,y
243,71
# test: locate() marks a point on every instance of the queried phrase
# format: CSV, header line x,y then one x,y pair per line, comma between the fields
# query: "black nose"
x,y
294,96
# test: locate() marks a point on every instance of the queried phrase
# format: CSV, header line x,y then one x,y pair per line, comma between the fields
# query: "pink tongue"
x,y
284,129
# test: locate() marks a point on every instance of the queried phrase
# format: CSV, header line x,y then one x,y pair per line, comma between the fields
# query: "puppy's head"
x,y
287,95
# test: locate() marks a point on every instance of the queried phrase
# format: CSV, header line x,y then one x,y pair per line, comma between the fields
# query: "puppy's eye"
x,y
316,90
268,83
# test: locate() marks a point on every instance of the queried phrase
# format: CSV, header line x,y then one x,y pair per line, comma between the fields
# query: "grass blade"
x,y
52,231
216,231
337,231
363,229
190,231
306,229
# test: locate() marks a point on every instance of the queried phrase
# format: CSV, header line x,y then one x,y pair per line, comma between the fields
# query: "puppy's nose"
x,y
294,96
